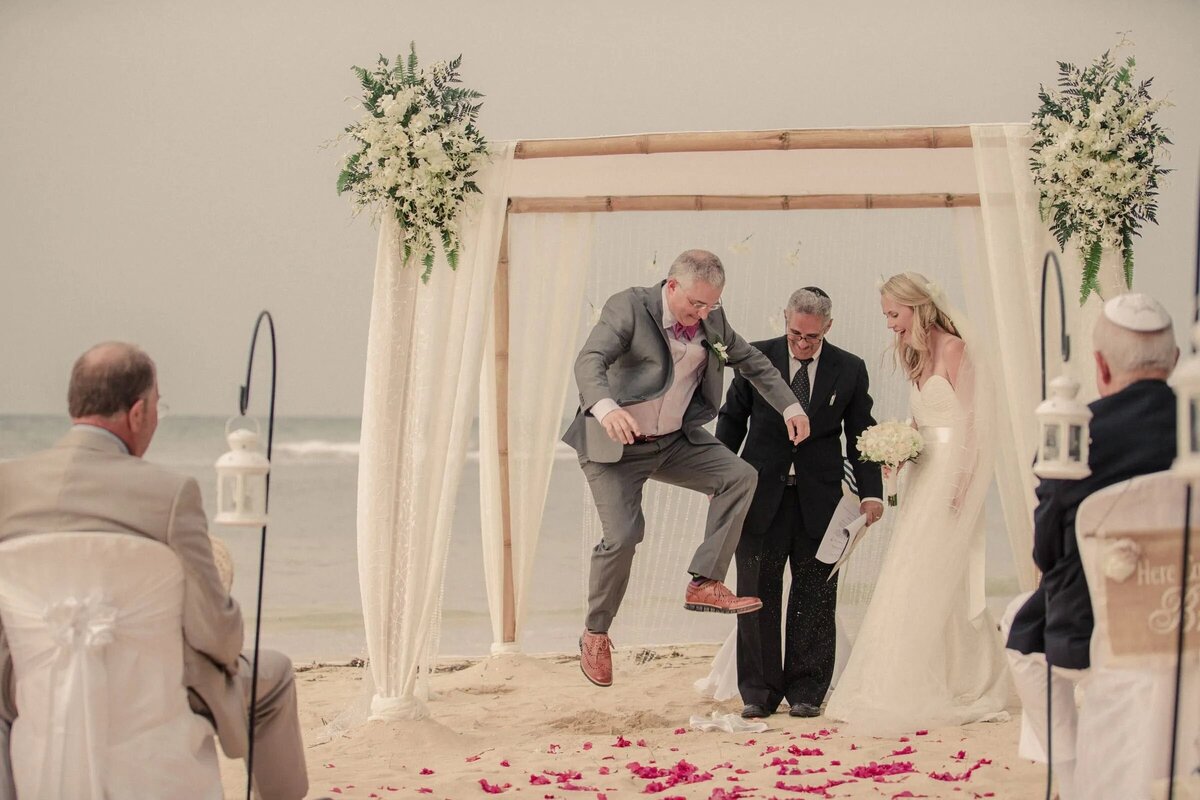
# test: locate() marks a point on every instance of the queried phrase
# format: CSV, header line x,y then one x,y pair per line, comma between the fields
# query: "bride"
x,y
928,652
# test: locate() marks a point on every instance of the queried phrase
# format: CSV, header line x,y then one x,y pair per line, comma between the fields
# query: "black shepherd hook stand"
x,y
1186,557
243,402
1065,347
1065,339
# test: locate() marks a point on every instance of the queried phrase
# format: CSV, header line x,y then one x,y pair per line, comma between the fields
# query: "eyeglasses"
x,y
811,338
698,306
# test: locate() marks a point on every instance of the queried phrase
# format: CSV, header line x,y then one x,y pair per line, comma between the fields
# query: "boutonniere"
x,y
718,347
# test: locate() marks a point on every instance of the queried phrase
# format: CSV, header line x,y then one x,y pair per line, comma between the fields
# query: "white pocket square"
x,y
832,397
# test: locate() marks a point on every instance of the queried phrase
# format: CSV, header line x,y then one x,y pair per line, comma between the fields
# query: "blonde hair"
x,y
912,289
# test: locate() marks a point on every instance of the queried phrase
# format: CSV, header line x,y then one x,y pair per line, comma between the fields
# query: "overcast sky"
x,y
162,176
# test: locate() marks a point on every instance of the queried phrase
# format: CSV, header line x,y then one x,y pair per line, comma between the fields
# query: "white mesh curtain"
x,y
548,255
769,254
423,358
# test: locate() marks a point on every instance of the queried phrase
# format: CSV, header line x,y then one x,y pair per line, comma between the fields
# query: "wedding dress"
x,y
928,652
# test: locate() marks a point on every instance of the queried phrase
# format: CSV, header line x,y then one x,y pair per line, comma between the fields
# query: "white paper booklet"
x,y
838,533
854,533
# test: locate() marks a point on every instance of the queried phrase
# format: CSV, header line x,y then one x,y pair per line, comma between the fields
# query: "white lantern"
x,y
242,480
1186,382
1062,433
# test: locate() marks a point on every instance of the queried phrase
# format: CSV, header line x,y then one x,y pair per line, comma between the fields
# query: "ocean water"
x,y
312,608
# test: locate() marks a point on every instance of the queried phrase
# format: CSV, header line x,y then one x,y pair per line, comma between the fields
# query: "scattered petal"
x,y
492,788
680,731
621,741
428,771
906,751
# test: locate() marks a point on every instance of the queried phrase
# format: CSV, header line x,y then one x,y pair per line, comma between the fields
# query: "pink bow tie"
x,y
682,331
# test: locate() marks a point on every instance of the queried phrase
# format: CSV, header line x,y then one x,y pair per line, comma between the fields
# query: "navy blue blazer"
x,y
840,399
1132,433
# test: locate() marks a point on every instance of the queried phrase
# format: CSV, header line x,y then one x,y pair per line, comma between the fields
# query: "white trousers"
x,y
1115,742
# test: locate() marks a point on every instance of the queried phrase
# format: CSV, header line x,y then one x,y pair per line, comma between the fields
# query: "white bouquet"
x,y
417,151
890,444
1097,160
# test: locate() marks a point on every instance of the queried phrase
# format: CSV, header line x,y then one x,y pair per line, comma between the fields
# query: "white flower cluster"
x,y
890,443
1096,156
1121,559
418,150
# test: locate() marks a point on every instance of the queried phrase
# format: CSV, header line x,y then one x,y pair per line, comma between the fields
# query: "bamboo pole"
x,y
500,327
689,202
728,141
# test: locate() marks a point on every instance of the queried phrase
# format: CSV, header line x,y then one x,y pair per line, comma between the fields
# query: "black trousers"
x,y
800,667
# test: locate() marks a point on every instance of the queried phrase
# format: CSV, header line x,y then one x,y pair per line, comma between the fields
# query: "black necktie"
x,y
800,383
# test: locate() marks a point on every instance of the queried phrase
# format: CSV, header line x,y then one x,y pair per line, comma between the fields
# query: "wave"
x,y
561,451
316,448
322,448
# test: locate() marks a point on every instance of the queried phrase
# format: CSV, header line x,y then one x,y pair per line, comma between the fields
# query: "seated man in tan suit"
x,y
94,479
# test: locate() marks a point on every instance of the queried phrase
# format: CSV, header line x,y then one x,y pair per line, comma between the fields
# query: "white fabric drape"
x,y
549,256
423,357
1002,261
94,621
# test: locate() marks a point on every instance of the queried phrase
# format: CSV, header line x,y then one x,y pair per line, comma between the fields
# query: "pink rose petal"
x,y
621,742
907,751
427,770
492,788
680,731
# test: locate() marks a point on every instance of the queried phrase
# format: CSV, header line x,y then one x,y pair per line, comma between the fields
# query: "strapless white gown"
x,y
920,659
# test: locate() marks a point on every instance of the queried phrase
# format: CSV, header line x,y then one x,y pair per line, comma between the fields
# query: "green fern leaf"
x,y
1091,271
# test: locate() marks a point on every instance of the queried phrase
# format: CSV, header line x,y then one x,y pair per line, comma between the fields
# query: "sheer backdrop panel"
x,y
549,259
423,357
1008,247
767,255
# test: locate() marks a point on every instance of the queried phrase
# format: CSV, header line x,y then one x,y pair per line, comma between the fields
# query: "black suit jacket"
x,y
1132,433
840,399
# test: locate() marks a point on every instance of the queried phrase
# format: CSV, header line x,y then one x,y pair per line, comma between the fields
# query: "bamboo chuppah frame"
x,y
958,136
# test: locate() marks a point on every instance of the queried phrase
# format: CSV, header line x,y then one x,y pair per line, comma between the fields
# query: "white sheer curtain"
x,y
549,259
423,357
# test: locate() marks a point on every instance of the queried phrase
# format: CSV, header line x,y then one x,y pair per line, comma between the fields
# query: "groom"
x,y
649,377
799,486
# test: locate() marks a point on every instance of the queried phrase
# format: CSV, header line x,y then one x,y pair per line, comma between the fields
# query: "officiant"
x,y
799,486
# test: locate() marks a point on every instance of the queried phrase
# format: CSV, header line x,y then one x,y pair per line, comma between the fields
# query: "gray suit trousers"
x,y
617,490
279,770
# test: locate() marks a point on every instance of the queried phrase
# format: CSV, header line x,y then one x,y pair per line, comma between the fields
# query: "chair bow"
x,y
75,623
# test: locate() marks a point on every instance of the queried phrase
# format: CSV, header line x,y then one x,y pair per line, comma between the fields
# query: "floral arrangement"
x,y
418,150
890,444
1096,156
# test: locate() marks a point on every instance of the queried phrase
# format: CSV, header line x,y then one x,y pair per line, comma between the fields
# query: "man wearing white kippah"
x,y
1132,433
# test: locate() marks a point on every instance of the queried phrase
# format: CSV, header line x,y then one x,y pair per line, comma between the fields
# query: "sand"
x,y
533,727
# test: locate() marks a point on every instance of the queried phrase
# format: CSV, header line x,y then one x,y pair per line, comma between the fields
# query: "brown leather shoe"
x,y
715,596
595,657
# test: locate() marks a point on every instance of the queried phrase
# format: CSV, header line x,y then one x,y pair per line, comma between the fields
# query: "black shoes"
x,y
802,710
754,711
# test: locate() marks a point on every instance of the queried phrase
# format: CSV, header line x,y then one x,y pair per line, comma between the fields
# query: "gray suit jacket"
x,y
627,358
86,483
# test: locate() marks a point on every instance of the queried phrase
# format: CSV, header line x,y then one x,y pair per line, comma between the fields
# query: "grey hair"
x,y
806,301
1129,351
698,265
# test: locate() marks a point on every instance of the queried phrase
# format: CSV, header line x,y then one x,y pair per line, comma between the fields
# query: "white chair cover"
x,y
1130,543
94,622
